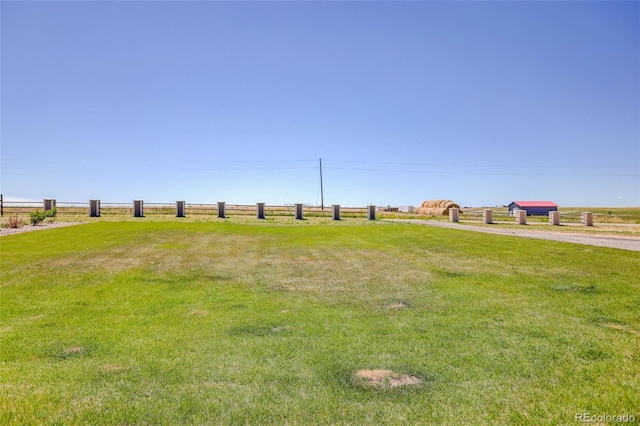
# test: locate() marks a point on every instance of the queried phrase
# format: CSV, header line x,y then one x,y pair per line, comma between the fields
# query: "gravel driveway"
x,y
39,227
624,243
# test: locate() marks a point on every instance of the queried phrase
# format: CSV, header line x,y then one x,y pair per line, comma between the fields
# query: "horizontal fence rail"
x,y
109,208
501,216
68,209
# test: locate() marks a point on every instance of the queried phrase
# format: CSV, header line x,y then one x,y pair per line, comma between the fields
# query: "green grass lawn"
x,y
232,323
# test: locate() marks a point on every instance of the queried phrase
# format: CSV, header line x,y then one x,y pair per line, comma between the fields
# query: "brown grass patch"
x,y
622,328
113,368
74,350
398,305
384,379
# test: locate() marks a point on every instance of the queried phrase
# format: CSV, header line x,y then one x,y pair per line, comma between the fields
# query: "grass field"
x,y
237,323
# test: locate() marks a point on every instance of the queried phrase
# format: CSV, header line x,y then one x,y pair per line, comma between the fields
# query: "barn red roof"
x,y
535,204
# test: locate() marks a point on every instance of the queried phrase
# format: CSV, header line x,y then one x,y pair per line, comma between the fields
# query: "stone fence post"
x,y
587,218
487,216
371,212
49,203
335,211
180,209
138,208
94,208
260,211
454,215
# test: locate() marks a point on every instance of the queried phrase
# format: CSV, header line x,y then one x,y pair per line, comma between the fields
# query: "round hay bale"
x,y
436,207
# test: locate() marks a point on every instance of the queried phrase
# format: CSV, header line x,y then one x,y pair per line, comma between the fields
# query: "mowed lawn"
x,y
233,323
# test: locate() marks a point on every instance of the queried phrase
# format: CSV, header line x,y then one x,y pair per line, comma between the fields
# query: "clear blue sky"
x,y
479,102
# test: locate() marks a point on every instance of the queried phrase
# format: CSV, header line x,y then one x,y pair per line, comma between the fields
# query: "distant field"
x,y
608,215
244,323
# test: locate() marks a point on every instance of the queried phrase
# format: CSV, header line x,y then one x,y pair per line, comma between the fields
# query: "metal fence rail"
x,y
110,208
501,216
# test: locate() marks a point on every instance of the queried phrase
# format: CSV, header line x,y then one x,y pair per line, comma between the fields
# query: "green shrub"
x,y
37,217
51,214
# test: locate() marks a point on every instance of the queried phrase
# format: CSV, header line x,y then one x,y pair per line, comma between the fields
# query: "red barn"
x,y
533,207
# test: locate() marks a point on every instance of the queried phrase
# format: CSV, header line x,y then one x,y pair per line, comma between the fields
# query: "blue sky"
x,y
479,102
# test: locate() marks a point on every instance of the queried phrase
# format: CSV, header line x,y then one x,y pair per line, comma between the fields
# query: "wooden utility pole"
x,y
321,188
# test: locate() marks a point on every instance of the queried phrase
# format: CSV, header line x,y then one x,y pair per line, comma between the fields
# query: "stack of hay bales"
x,y
436,207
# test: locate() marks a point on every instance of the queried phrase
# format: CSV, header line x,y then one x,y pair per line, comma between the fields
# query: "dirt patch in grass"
x,y
71,352
384,379
398,305
621,328
113,368
74,350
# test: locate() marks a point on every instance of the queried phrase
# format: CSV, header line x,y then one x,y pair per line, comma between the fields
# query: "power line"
x,y
49,160
454,172
513,165
396,163
399,163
